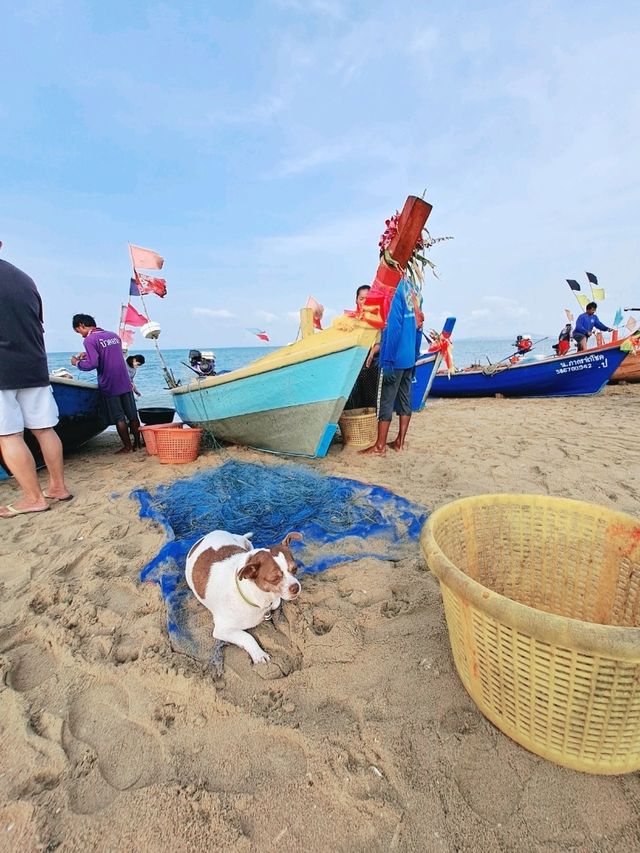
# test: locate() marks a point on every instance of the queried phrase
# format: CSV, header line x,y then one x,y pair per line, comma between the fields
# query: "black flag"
x,y
573,284
592,278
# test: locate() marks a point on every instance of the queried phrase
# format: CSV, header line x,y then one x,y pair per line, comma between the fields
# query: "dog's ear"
x,y
291,536
250,570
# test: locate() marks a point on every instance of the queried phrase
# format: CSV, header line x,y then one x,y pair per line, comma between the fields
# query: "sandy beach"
x,y
111,741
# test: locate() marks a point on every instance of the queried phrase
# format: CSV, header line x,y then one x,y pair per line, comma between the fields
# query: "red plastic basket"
x,y
149,435
176,446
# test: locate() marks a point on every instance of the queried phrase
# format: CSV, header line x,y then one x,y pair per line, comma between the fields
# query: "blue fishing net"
x,y
341,521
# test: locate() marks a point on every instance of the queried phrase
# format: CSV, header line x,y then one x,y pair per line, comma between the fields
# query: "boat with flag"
x,y
289,401
570,375
80,417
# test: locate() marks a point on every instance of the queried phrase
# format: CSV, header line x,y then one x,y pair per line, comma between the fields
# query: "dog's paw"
x,y
262,657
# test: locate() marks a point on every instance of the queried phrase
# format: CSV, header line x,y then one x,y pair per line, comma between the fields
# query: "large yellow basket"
x,y
542,601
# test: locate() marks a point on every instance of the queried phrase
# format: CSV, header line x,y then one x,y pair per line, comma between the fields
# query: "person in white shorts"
x,y
26,398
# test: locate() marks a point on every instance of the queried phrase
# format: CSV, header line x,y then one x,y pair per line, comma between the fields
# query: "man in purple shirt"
x,y
103,353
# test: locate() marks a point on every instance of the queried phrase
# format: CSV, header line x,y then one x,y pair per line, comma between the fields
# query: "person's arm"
x,y
90,362
600,325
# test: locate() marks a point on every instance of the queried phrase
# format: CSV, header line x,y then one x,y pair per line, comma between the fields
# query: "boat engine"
x,y
203,362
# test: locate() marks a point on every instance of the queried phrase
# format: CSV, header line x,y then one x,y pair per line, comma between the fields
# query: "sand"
x,y
110,740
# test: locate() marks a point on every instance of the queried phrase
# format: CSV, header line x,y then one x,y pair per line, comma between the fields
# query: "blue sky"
x,y
259,147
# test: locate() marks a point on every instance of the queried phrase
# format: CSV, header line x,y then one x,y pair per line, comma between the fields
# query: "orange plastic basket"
x,y
176,446
149,435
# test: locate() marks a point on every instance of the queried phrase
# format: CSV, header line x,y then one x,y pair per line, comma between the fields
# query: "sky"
x,y
260,146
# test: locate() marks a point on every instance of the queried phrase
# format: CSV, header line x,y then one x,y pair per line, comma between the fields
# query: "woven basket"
x,y
149,435
359,427
542,600
176,446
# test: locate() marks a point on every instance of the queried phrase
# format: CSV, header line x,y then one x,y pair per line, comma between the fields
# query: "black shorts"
x,y
396,395
122,407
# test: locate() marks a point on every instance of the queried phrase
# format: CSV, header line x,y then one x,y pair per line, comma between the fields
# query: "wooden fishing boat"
x,y
629,370
80,417
289,401
570,375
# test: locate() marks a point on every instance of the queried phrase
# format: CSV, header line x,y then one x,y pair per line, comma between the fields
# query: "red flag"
x,y
131,317
147,259
148,284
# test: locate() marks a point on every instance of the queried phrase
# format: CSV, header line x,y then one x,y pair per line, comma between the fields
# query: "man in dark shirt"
x,y
26,398
103,353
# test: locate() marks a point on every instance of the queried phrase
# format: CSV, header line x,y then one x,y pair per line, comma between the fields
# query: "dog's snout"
x,y
294,589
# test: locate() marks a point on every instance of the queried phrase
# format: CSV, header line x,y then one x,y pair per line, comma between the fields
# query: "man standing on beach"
x,y
26,398
585,325
103,353
399,349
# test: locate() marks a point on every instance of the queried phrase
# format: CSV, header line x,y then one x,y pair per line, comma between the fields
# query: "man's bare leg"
x,y
51,448
18,459
125,438
380,447
398,444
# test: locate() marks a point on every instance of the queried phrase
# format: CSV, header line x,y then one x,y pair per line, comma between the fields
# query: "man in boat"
x,y
26,398
585,325
103,353
399,349
564,341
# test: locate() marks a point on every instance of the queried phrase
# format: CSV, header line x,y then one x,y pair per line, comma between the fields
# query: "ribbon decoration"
x,y
441,342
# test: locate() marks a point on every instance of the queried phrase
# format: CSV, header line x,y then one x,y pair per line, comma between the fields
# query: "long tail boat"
x,y
289,401
80,418
570,375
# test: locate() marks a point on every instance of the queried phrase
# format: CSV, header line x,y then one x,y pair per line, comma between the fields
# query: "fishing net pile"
x,y
341,521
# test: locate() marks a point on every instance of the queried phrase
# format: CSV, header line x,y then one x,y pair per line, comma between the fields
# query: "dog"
x,y
241,585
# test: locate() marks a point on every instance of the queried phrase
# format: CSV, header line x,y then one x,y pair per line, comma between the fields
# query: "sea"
x,y
151,383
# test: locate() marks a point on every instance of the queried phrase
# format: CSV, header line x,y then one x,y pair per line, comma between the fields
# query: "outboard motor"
x,y
203,363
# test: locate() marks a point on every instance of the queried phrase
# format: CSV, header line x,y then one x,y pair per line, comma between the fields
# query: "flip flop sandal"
x,y
54,498
11,511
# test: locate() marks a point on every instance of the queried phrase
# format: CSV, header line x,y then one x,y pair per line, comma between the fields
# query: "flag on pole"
x,y
318,311
617,320
149,284
631,323
592,279
126,336
573,284
569,315
131,317
598,293
259,333
134,290
582,299
145,259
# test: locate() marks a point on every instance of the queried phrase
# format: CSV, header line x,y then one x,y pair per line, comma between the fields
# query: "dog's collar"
x,y
244,597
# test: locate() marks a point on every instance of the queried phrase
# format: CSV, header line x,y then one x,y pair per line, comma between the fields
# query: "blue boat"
x,y
80,417
287,402
570,375
426,369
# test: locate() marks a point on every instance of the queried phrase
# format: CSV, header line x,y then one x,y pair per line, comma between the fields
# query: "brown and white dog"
x,y
241,585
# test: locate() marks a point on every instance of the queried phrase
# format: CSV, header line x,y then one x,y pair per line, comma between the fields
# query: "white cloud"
x,y
217,313
267,315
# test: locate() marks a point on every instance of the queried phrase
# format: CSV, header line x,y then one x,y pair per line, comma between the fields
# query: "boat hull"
x,y
568,376
80,417
288,402
629,370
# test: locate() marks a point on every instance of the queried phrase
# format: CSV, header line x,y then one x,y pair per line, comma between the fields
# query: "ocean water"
x,y
150,380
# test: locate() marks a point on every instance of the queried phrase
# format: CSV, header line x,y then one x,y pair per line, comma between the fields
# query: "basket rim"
x,y
592,638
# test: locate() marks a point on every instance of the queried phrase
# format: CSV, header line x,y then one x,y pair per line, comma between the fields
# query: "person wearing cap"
x,y
585,325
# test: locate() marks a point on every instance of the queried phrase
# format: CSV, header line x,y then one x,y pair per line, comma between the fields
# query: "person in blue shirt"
x,y
585,325
399,349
